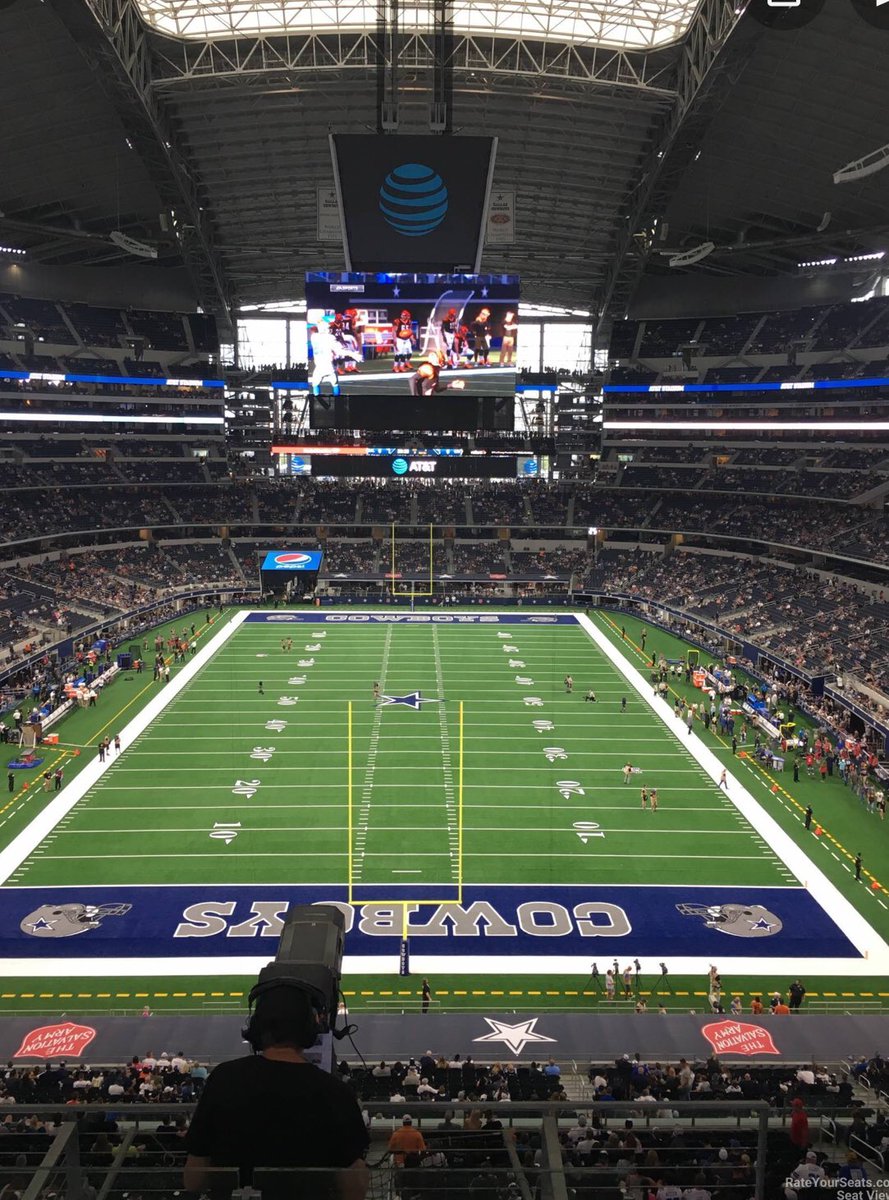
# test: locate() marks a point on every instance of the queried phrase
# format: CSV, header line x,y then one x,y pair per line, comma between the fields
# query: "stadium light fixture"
x,y
860,168
15,250
718,423
101,418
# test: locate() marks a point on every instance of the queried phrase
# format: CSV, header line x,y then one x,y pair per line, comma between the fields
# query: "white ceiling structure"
x,y
608,24
628,130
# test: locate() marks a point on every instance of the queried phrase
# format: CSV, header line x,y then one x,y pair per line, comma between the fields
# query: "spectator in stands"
x,y
799,1125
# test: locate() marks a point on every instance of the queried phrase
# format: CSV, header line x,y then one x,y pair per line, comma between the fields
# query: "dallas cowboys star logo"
x,y
40,924
515,1037
762,923
412,700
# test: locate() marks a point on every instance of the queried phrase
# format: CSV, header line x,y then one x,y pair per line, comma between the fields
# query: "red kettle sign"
x,y
738,1037
56,1041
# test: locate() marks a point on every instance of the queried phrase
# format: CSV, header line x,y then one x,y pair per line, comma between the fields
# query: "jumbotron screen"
x,y
412,335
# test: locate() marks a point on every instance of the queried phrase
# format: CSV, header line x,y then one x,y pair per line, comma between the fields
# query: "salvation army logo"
x,y
413,199
56,1041
293,559
738,1037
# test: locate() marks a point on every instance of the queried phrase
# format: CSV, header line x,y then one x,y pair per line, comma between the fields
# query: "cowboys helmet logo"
x,y
67,920
740,920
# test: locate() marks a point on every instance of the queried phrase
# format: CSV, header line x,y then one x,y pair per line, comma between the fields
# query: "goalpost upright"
x,y
393,581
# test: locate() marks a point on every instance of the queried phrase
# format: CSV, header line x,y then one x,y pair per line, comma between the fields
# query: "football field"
x,y
474,808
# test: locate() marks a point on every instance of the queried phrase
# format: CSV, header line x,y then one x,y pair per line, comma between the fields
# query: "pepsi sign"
x,y
292,560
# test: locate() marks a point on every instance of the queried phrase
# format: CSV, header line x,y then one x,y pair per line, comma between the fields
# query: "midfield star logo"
x,y
56,1041
738,1037
411,700
516,1037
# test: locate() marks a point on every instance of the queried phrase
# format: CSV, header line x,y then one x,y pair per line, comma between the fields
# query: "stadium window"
x,y
262,342
566,347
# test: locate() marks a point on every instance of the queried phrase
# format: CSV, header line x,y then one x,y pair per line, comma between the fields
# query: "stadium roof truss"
x,y
641,25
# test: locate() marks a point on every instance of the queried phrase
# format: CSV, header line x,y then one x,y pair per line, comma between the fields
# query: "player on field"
x,y
376,691
569,684
448,329
426,380
507,345
325,351
627,771
591,696
623,704
403,337
653,799
481,328
349,335
644,797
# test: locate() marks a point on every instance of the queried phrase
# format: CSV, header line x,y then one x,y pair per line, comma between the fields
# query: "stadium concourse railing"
x,y
106,1151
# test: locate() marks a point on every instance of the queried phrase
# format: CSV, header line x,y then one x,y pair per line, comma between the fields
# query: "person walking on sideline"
x,y
723,780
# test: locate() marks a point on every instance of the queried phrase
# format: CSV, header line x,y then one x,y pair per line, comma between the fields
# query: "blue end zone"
x,y
406,618
500,922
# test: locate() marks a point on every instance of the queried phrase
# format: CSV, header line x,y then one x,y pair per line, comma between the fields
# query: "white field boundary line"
x,y
25,843
856,928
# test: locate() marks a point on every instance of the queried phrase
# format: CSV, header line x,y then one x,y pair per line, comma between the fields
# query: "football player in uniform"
x,y
426,380
507,345
464,345
403,333
350,336
449,329
481,327
325,351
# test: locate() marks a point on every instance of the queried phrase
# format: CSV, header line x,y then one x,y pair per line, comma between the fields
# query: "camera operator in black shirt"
x,y
274,1109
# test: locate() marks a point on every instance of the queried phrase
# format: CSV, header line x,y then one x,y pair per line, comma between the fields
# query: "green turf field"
x,y
186,778
314,784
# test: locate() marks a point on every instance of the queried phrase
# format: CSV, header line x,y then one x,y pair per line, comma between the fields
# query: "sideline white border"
x,y
867,941
26,842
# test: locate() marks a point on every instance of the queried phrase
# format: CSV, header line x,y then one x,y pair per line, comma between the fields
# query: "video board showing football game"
x,y
412,334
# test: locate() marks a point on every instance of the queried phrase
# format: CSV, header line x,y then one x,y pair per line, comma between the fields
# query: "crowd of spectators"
x,y
820,624
818,327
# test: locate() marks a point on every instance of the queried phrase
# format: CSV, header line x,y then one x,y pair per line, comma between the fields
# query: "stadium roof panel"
x,y
632,25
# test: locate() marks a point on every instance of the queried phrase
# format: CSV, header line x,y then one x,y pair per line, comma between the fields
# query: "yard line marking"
x,y
390,854
444,734
357,859
432,828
